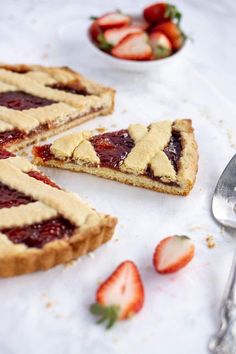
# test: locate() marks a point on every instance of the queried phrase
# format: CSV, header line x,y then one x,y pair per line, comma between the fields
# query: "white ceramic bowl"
x,y
132,65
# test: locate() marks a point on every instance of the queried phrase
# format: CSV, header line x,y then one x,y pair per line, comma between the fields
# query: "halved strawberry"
x,y
134,46
120,296
161,45
160,12
113,20
173,32
114,35
173,253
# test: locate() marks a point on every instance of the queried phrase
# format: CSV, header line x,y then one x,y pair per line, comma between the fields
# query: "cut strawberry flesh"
x,y
19,100
37,235
112,148
115,35
112,20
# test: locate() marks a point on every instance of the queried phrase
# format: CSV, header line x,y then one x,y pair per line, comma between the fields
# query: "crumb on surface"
x,y
124,110
91,255
114,125
71,263
23,153
195,228
210,241
45,55
101,129
49,304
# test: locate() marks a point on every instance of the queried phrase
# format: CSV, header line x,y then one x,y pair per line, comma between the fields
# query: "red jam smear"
x,y
40,177
20,100
4,154
74,87
112,148
43,152
10,136
37,235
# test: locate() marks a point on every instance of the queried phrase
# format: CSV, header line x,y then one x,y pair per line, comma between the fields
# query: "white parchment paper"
x,y
48,312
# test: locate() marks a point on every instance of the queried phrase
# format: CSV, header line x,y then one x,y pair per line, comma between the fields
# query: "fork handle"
x,y
224,341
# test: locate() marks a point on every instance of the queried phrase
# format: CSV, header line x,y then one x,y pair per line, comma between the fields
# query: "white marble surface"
x,y
48,312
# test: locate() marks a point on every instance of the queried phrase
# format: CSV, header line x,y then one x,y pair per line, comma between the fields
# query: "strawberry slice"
x,y
120,296
172,254
160,12
113,20
161,45
134,46
114,35
173,32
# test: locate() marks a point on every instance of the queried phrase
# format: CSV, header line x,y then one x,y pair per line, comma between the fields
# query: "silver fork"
x,y
224,211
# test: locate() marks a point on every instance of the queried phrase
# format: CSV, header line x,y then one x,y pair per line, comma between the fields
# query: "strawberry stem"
x,y
173,13
94,18
109,314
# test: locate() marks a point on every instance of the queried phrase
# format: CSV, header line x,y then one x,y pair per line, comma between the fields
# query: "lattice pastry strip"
x,y
162,156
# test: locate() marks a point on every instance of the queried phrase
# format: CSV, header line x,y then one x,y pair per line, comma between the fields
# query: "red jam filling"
x,y
19,100
40,177
12,198
173,149
37,235
4,154
10,135
75,88
112,148
43,152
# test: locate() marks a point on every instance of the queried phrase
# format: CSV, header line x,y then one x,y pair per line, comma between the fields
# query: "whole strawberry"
x,y
120,296
160,12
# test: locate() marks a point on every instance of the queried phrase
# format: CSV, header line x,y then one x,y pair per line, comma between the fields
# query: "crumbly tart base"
x,y
59,251
137,181
66,76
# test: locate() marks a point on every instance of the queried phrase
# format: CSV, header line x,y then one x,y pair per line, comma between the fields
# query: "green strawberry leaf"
x,y
109,314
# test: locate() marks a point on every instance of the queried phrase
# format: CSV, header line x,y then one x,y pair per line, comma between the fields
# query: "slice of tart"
x,y
162,156
37,102
42,225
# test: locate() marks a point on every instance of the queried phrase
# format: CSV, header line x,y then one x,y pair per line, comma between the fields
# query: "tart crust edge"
x,y
58,251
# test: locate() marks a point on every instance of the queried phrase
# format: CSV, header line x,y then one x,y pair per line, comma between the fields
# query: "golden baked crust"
x,y
147,152
69,109
91,228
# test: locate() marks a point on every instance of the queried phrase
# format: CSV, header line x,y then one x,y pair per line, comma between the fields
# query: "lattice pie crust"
x,y
91,228
68,110
76,152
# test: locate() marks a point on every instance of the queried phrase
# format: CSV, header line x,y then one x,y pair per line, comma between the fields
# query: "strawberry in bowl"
x,y
153,35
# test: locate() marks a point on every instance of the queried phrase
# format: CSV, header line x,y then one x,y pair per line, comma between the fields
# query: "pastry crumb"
x,y
91,255
114,125
210,241
101,129
195,228
45,55
71,263
49,304
23,153
230,139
